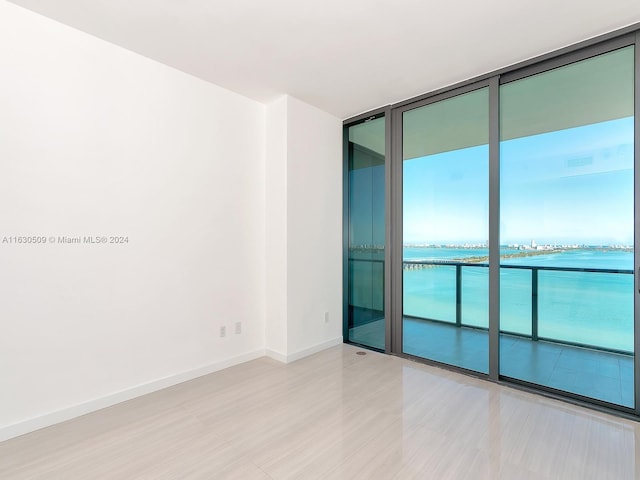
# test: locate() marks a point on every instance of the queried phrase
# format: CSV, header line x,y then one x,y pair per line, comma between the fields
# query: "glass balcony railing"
x,y
589,307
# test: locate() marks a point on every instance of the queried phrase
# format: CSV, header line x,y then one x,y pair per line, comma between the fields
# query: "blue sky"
x,y
567,186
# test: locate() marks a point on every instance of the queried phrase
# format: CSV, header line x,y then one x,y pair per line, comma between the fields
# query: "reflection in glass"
x,y
366,267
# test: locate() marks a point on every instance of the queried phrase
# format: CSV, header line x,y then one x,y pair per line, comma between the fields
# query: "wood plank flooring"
x,y
334,415
592,373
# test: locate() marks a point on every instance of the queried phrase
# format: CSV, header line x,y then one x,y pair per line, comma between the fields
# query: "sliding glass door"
x,y
445,191
567,228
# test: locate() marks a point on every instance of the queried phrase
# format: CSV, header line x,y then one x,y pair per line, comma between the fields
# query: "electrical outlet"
x,y
238,328
223,331
326,317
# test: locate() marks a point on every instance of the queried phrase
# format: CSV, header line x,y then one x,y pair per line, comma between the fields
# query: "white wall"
x,y
95,140
314,228
304,266
276,229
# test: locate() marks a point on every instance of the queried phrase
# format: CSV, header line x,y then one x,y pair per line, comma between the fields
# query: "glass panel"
x,y
445,230
515,301
567,228
566,299
475,296
365,321
429,289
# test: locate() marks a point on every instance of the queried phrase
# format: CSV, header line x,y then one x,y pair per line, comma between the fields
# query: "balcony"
x,y
548,334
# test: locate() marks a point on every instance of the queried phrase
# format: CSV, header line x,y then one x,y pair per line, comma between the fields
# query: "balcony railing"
x,y
418,264
367,292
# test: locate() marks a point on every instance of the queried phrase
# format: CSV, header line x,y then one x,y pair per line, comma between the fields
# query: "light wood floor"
x,y
592,373
335,415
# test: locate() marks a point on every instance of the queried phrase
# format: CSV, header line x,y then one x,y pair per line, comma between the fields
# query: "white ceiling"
x,y
343,56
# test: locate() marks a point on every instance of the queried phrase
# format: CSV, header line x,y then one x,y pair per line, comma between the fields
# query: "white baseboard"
x,y
36,423
292,357
65,414
281,357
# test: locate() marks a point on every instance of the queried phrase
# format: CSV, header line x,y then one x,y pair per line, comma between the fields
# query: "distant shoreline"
x,y
526,252
413,265
420,263
542,248
522,253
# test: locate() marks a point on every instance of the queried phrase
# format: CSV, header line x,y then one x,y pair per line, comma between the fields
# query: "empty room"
x,y
319,240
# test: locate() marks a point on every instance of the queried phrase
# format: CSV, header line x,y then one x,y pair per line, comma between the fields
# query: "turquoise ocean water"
x,y
582,307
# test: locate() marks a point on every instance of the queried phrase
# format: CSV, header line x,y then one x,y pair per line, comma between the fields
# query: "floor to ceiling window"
x,y
499,236
567,228
365,290
445,202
